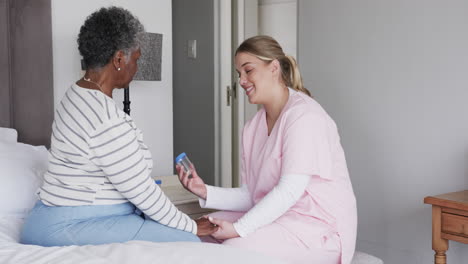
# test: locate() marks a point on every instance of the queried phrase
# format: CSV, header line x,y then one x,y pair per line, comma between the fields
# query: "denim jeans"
x,y
94,225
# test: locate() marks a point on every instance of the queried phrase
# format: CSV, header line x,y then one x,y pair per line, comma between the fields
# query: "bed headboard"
x,y
26,72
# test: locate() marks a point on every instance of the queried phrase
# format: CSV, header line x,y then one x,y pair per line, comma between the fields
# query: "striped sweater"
x,y
97,157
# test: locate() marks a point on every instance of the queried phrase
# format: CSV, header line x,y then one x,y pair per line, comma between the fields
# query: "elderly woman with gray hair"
x,y
98,187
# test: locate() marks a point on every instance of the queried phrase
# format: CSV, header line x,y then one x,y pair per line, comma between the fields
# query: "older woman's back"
x,y
76,173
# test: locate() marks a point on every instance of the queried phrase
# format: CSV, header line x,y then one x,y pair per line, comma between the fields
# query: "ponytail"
x,y
292,75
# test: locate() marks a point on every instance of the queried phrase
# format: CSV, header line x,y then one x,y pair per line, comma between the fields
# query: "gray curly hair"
x,y
105,32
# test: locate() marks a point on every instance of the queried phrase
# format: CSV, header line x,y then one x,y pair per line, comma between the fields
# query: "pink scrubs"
x,y
321,226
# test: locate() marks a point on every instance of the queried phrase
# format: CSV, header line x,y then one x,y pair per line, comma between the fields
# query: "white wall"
x,y
151,102
393,75
278,18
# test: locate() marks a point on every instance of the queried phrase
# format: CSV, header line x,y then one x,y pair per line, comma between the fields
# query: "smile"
x,y
248,90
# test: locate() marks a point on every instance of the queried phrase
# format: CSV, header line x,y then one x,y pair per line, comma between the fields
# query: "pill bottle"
x,y
183,161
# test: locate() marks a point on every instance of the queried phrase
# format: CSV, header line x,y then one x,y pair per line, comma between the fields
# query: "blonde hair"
x,y
268,49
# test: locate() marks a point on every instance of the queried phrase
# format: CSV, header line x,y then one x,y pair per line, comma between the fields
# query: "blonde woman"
x,y
296,201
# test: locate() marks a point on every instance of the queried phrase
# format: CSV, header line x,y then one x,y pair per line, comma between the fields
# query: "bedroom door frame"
x,y
244,25
235,20
223,93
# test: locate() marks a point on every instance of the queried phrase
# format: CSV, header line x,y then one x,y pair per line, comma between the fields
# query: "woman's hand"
x,y
191,181
226,229
205,227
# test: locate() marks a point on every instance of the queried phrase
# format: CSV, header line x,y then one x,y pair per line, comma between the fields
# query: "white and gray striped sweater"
x,y
97,157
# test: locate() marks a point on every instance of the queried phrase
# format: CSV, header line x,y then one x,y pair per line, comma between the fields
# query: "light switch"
x,y
192,49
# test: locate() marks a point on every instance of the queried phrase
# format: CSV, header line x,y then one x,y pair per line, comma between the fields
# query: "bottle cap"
x,y
180,157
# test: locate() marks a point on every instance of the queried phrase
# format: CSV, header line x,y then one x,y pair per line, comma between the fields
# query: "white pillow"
x,y
8,134
22,168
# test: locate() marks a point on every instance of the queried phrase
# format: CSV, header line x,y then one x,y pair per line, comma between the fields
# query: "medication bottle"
x,y
183,161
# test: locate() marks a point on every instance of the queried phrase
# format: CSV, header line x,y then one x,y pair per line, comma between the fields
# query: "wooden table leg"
x,y
439,245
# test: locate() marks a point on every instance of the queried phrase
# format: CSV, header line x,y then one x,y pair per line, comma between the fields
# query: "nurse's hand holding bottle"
x,y
191,181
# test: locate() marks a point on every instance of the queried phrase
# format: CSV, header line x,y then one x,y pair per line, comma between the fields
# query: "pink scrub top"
x,y
304,140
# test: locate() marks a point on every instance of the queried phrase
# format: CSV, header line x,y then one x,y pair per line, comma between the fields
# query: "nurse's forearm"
x,y
231,199
288,191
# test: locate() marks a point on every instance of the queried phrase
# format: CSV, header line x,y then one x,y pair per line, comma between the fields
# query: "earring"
x,y
118,69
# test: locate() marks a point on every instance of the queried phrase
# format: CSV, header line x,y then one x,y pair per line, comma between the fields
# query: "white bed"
x,y
22,166
118,253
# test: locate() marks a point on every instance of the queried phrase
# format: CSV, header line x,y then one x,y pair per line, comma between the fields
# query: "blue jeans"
x,y
94,225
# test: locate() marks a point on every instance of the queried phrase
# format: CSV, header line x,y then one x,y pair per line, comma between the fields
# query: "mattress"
x,y
118,253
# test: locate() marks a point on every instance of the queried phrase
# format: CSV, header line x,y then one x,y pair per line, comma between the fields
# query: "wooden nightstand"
x,y
449,221
183,199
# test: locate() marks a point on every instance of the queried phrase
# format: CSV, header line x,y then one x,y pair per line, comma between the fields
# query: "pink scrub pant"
x,y
276,241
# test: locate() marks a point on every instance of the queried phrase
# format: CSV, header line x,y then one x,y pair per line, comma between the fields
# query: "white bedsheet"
x,y
118,253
